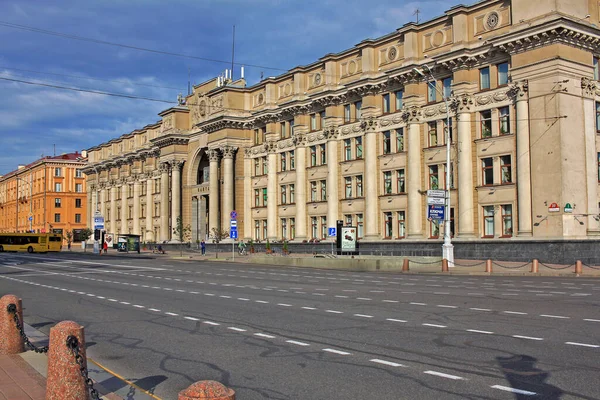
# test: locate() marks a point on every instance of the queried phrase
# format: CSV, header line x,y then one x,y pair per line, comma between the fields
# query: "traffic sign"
x,y
233,214
436,200
233,223
98,222
332,232
30,218
436,193
435,211
233,234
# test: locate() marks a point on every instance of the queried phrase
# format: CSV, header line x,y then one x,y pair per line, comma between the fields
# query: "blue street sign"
x,y
31,218
233,214
332,232
233,234
435,211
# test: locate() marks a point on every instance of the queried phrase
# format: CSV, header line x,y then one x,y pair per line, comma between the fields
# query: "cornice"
x,y
170,139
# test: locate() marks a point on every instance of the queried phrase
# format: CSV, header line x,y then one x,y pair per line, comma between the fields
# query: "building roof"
x,y
76,156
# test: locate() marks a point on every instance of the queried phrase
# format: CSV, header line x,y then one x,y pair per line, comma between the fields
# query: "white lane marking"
x,y
343,353
225,297
342,297
180,290
284,305
171,313
334,311
479,309
308,308
194,292
554,316
441,374
591,320
583,344
390,301
318,294
445,306
515,312
298,343
435,325
233,328
264,335
441,293
167,288
192,318
513,390
211,323
243,299
154,309
527,337
395,320
261,301
363,315
384,362
418,304
138,306
363,298
124,302
477,331
209,294
101,297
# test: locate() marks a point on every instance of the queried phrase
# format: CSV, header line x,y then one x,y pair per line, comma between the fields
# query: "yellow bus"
x,y
30,242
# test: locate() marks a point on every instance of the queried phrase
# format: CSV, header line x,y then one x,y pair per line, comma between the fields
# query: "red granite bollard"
x,y
64,380
11,341
405,265
488,266
535,266
444,265
578,267
209,390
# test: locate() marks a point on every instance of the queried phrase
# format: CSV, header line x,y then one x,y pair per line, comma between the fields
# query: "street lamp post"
x,y
447,247
30,204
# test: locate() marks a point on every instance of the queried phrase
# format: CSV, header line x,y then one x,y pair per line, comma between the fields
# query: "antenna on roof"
x,y
54,146
189,79
417,12
232,53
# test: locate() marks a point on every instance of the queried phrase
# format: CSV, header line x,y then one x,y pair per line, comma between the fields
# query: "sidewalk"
x,y
19,380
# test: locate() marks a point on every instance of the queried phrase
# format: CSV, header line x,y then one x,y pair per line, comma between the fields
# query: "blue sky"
x,y
273,33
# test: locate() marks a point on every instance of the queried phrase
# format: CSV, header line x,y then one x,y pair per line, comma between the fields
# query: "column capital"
x,y
589,87
519,89
165,167
299,139
228,151
411,114
463,104
332,133
213,154
271,147
369,124
177,164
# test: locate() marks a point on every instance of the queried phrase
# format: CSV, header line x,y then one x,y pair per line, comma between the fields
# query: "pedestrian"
x,y
203,247
105,247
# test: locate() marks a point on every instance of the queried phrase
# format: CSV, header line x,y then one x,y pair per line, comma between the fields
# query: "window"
x,y
388,224
433,137
447,87
488,221
431,92
433,177
322,115
323,190
507,228
313,227
358,110
347,113
347,150
78,187
57,171
57,217
359,186
486,123
504,120
598,167
448,132
283,162
313,191
156,185
257,136
265,166
358,147
359,226
348,219
386,103
283,189
387,142
264,197
505,169
487,171
264,228
78,173
283,228
452,222
451,174
77,203
434,229
400,181
598,116
292,189
58,187
387,182
484,78
77,218
399,140
399,95
130,191
129,212
313,156
348,181
257,166
283,129
292,160
257,230
57,203
156,209
313,122
292,228
401,224
323,151
596,70
143,211
323,227
502,74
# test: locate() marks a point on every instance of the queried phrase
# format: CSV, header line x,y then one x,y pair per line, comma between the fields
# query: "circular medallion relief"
x,y
261,98
287,89
352,67
392,53
317,79
492,20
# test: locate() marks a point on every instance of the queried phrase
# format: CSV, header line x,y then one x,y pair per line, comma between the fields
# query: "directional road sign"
x,y
332,232
436,200
436,193
233,223
233,234
435,211
98,222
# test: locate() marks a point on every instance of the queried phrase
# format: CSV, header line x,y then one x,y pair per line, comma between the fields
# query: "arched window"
x,y
203,170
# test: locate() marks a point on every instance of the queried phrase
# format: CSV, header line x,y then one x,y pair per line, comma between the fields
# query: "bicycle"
x,y
242,251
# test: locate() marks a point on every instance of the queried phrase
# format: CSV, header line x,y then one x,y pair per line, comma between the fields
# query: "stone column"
x,y
589,120
149,208
124,207
113,208
371,191
247,196
272,192
300,188
332,177
103,201
414,179
90,206
176,195
136,207
465,168
228,200
524,160
165,233
213,201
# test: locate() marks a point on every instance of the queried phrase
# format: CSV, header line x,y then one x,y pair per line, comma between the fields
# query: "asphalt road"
x,y
293,333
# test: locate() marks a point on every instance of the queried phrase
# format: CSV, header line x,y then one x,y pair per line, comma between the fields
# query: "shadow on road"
x,y
521,374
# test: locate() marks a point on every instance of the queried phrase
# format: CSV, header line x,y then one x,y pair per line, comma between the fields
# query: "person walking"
x,y
105,247
203,247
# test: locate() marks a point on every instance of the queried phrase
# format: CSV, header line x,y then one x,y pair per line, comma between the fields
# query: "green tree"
x,y
182,232
85,234
69,236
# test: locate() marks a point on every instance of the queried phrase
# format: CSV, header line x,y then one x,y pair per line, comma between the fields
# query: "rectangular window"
x,y
79,187
359,186
265,166
264,197
387,142
347,150
130,212
399,140
257,166
401,224
484,78
502,74
486,123
57,217
283,190
283,129
57,203
386,103
596,69
347,113
156,210
313,191
292,228
431,97
487,171
488,221
257,230
432,133
387,182
434,229
448,133
504,115
388,224
143,211
598,167
292,189
57,171
447,87
77,203
292,160
323,227
507,228
313,122
597,116
283,162
399,95
264,229
313,227
323,151
291,127
452,222
505,169
433,177
359,226
313,156
256,136
77,218
400,181
358,147
283,228
323,190
358,110
348,182
78,173
348,219
58,187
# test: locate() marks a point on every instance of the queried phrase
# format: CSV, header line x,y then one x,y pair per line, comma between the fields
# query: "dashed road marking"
x,y
211,323
233,328
595,346
363,315
297,343
554,316
527,337
394,320
513,390
384,362
264,335
441,374
342,353
478,331
192,318
435,325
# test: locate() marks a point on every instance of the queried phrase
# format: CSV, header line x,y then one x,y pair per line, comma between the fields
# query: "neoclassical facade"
x,y
359,136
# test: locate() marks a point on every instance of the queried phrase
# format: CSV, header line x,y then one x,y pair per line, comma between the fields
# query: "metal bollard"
x,y
209,390
11,341
578,267
444,265
535,266
64,380
488,266
405,265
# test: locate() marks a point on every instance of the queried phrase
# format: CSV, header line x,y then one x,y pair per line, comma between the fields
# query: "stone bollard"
x,y
444,265
405,265
535,266
64,380
209,390
488,266
578,267
11,341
